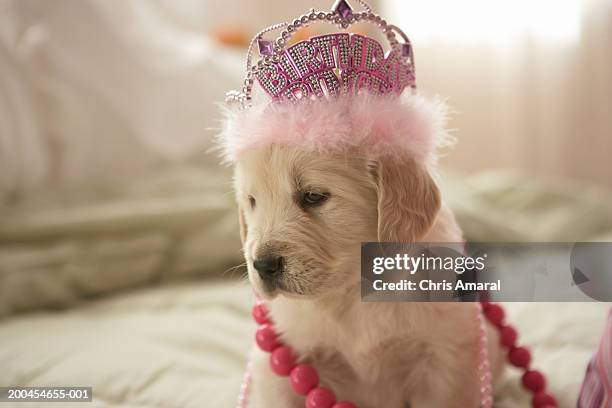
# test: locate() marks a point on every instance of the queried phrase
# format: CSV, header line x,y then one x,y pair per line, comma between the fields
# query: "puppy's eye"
x,y
311,198
252,201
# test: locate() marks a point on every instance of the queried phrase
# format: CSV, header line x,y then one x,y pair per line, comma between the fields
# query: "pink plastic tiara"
x,y
331,64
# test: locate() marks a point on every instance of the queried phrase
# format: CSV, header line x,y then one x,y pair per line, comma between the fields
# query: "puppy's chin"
x,y
263,290
268,290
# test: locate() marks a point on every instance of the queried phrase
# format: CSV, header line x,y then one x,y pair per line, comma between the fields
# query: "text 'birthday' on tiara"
x,y
329,64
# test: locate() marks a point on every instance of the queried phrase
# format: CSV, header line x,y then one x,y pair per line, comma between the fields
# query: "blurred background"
x,y
530,82
108,110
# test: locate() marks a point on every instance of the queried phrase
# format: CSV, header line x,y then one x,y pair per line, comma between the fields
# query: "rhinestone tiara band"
x,y
328,65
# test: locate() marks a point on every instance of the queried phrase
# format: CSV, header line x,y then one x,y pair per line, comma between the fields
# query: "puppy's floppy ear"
x,y
243,224
408,199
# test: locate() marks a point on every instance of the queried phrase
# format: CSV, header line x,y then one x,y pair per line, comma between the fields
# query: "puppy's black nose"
x,y
268,266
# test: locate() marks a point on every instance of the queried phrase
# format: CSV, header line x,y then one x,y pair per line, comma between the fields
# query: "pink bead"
x,y
320,398
344,404
303,378
260,313
495,314
520,357
534,381
282,361
542,400
508,336
266,338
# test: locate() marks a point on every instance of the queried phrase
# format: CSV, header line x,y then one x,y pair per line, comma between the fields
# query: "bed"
x,y
175,330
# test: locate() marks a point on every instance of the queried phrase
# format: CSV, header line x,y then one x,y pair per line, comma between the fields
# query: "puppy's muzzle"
x,y
269,267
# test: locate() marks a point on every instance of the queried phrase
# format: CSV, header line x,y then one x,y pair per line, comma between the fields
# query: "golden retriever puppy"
x,y
303,217
305,209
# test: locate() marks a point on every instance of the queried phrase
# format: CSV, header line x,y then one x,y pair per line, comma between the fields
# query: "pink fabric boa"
x,y
379,125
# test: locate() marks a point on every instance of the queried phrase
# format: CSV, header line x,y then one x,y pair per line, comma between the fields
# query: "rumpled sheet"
x,y
186,346
176,346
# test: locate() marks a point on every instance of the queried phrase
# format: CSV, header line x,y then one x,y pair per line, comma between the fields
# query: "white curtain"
x,y
530,82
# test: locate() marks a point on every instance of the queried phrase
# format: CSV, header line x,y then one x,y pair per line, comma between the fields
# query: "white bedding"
x,y
186,347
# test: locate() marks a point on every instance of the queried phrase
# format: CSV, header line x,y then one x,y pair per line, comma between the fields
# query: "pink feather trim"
x,y
378,125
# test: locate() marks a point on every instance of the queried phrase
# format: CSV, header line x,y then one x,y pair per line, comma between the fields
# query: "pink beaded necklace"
x,y
304,378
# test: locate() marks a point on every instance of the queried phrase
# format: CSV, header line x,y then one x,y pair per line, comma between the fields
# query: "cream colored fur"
x,y
378,355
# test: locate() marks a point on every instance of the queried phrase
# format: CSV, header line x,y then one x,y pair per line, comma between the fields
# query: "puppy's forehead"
x,y
295,168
